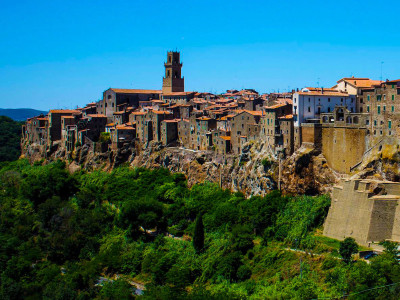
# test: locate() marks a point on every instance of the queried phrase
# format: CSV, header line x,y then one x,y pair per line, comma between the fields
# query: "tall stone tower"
x,y
173,80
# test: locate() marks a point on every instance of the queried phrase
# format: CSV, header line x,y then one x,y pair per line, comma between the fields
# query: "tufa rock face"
x,y
254,172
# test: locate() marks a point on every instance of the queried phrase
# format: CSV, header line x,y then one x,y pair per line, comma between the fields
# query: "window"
x,y
392,86
379,109
367,108
368,97
392,108
392,97
378,97
361,100
329,109
375,122
390,124
384,108
329,99
384,97
309,99
309,109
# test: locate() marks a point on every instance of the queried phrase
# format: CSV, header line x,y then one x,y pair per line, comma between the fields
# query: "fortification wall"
x,y
343,147
356,212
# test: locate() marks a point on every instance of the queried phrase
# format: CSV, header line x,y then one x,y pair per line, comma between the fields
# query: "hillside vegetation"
x,y
94,235
10,137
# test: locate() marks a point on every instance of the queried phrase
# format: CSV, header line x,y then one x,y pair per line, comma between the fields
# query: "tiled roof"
x,y
226,138
360,82
178,93
312,93
123,127
286,117
96,116
135,91
64,111
158,112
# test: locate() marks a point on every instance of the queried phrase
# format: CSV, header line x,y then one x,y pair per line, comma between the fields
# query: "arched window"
x,y
325,119
355,120
348,120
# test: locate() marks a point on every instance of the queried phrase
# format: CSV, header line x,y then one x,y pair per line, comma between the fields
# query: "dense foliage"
x,y
10,137
93,235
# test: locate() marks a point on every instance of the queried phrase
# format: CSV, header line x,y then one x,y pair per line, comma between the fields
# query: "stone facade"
x,y
365,210
173,80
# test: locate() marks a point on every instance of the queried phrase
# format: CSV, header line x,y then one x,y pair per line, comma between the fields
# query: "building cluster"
x,y
224,123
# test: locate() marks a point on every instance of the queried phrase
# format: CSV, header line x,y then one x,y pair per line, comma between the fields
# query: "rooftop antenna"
x,y
381,69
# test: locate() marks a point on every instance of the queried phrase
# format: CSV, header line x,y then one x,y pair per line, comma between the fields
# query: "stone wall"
x,y
343,147
365,210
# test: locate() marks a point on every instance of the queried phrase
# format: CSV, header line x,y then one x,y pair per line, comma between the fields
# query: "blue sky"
x,y
59,54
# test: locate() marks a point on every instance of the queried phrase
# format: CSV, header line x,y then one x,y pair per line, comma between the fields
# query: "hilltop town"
x,y
343,122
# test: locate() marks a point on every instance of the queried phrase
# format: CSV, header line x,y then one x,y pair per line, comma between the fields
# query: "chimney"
x,y
322,90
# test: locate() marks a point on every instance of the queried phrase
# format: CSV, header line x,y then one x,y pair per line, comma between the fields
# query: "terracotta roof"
x,y
123,127
203,118
275,106
135,91
110,124
119,113
171,121
179,93
67,117
42,119
158,112
313,93
393,81
286,117
64,111
360,82
226,138
96,116
141,113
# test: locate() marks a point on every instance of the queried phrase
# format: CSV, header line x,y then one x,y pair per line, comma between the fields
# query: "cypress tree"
x,y
198,236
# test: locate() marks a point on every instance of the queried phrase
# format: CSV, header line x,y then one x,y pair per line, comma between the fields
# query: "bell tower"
x,y
173,80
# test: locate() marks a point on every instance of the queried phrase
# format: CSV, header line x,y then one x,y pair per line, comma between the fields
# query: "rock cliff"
x,y
254,172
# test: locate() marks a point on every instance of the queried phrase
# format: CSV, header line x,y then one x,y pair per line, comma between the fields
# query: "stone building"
x,y
308,104
178,97
344,138
122,134
271,131
184,132
35,130
169,132
129,97
139,118
156,117
201,132
245,126
365,210
173,80
69,132
54,117
382,102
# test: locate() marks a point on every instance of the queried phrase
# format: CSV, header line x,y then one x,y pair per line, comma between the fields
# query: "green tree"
x,y
347,248
391,248
198,236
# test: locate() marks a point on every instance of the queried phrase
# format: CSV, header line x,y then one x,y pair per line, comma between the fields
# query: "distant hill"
x,y
20,114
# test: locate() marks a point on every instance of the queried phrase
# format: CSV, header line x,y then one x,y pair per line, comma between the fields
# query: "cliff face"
x,y
254,172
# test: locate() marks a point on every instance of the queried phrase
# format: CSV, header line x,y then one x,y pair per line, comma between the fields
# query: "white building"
x,y
311,102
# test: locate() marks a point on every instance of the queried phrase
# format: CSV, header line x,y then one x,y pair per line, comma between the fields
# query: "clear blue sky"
x,y
59,54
